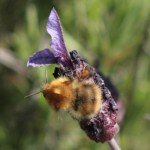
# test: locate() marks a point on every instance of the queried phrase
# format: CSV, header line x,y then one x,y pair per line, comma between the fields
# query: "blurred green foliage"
x,y
117,33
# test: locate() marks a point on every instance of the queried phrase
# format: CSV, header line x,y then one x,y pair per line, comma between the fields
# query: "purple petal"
x,y
41,58
57,44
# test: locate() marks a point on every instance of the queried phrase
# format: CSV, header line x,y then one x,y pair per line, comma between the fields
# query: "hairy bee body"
x,y
81,98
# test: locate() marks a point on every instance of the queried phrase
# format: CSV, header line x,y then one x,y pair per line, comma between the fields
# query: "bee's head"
x,y
58,93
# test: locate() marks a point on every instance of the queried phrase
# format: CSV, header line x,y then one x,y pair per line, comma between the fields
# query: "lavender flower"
x,y
103,126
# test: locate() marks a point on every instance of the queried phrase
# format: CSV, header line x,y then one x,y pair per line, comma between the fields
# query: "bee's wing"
x,y
41,58
57,44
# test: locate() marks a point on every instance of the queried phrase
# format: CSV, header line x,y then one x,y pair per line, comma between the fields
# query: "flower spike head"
x,y
102,126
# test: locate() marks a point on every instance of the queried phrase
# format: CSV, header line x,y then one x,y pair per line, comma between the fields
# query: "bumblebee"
x,y
81,98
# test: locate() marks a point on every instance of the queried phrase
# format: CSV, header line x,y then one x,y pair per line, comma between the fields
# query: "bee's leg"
x,y
57,72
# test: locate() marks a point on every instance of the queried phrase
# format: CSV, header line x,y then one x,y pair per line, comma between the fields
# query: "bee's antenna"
x,y
46,78
32,94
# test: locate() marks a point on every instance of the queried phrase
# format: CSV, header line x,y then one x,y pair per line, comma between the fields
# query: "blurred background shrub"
x,y
115,33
